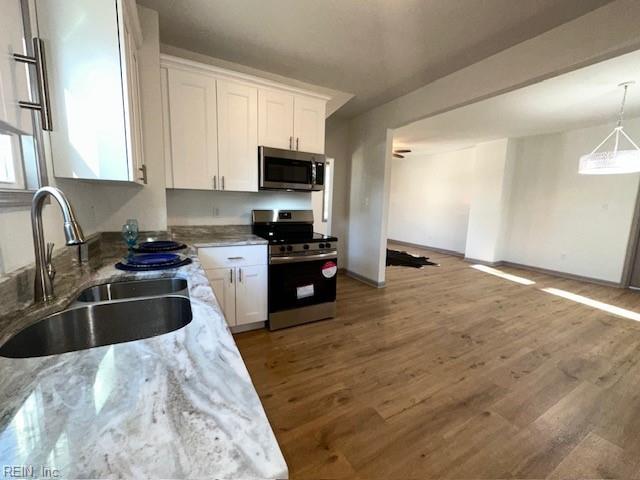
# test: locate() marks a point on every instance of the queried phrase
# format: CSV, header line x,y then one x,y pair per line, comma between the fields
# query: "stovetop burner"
x,y
290,231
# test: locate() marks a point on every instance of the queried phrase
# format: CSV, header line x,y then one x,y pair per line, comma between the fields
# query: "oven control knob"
x,y
328,245
289,248
321,245
282,249
306,247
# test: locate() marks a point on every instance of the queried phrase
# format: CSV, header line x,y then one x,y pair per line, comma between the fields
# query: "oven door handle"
x,y
303,258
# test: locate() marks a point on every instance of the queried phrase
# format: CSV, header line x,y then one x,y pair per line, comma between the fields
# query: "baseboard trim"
x,y
484,262
363,279
556,273
248,326
453,253
546,271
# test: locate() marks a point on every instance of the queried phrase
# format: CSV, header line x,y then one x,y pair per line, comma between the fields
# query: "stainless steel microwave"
x,y
290,170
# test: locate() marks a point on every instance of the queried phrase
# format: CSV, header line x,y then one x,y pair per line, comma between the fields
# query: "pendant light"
x,y
615,160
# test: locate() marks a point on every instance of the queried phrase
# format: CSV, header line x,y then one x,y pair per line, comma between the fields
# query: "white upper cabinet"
x,y
291,122
166,128
237,136
193,129
275,119
308,124
214,120
92,68
133,114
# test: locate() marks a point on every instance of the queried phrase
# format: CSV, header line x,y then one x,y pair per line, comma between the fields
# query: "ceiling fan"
x,y
397,153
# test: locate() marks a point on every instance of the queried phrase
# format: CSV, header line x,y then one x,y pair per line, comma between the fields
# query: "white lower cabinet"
x,y
238,277
251,294
221,280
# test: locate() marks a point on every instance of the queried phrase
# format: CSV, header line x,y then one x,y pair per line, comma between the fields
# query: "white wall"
x,y
560,220
103,206
565,48
192,207
528,204
337,147
489,201
429,199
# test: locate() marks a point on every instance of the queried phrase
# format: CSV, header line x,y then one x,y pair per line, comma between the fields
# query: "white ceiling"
x,y
375,49
584,97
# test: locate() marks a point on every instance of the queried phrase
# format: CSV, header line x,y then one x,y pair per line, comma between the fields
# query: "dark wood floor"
x,y
450,372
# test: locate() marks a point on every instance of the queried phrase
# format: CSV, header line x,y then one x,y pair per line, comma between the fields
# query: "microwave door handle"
x,y
313,172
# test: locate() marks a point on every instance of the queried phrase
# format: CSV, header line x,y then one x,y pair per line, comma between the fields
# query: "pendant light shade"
x,y
623,156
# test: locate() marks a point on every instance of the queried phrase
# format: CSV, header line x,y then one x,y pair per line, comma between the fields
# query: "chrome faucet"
x,y
45,272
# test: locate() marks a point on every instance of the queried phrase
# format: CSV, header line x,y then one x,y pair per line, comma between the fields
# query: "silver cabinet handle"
x,y
143,170
235,258
231,275
297,143
222,182
215,183
240,275
38,60
290,143
314,172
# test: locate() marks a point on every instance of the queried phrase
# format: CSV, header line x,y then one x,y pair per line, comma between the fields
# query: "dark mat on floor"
x,y
404,259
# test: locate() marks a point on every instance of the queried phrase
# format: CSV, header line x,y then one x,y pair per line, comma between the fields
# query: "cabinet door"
x,y
85,78
166,129
192,122
237,136
275,119
133,110
222,281
308,125
251,294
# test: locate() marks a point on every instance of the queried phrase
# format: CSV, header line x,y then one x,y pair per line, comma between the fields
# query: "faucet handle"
x,y
51,271
49,254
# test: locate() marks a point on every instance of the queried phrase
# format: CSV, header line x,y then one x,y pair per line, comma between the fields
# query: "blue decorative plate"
x,y
136,264
146,259
159,246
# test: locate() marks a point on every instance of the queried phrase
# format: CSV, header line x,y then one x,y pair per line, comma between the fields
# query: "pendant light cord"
x,y
624,99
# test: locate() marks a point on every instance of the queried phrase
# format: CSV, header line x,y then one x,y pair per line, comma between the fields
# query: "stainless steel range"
x,y
302,267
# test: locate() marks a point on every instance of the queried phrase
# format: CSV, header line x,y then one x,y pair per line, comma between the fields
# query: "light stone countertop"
x,y
179,405
216,236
